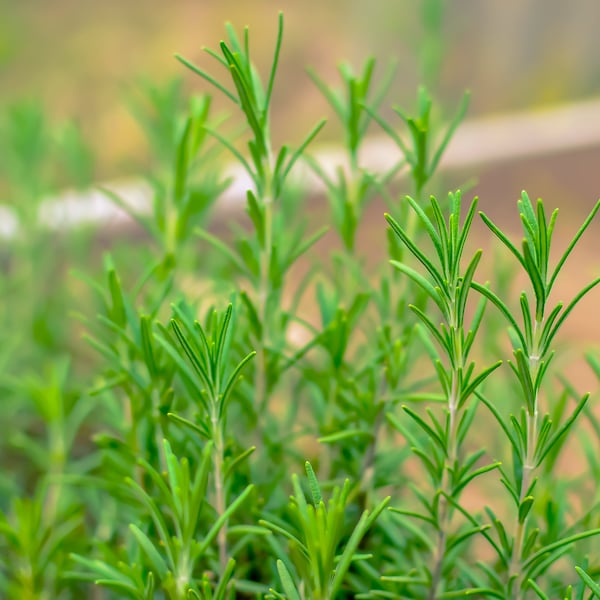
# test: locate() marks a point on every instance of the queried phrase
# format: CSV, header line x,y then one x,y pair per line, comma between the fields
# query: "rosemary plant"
x,y
532,438
266,258
353,187
154,462
448,287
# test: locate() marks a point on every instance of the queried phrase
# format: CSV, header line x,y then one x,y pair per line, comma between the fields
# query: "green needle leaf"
x,y
156,560
287,582
313,484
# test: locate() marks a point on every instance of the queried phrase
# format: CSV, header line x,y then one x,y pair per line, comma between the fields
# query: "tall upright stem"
x,y
219,486
266,198
529,466
368,477
444,513
263,297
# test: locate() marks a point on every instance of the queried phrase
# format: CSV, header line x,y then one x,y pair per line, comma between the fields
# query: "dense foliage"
x,y
261,412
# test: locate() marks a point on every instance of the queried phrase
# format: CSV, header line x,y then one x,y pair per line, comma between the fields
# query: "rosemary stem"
x,y
444,513
219,487
529,465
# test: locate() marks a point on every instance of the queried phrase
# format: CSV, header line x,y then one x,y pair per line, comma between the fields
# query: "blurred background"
x,y
84,59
